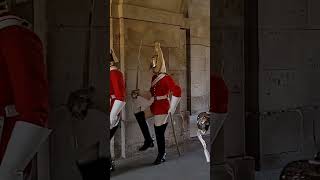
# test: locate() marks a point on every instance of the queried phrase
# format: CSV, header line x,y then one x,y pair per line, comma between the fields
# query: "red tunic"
x,y
117,87
23,80
162,88
219,95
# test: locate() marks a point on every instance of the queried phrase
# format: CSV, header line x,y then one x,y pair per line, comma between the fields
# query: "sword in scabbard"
x,y
138,66
86,64
138,69
174,134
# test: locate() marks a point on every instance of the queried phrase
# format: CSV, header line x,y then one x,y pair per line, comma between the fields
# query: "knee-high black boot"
x,y
160,131
112,133
148,141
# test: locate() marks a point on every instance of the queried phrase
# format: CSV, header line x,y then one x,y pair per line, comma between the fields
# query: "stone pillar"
x,y
226,58
66,39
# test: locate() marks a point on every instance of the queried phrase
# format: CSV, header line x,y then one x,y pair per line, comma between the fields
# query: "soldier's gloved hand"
x,y
135,93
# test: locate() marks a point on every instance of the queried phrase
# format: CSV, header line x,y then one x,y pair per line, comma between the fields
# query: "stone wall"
x,y
289,69
227,48
199,20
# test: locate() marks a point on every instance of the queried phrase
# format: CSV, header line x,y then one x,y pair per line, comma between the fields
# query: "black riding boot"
x,y
112,133
160,131
96,169
148,141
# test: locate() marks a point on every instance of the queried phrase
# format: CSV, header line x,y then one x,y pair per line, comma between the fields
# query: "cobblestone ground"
x,y
191,165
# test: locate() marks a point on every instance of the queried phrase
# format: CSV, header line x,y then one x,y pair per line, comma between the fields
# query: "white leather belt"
x,y
160,97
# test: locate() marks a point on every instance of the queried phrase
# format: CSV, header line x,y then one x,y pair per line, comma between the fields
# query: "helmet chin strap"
x,y
161,70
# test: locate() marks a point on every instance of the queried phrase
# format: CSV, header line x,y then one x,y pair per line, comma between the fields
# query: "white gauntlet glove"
x,y
173,104
141,100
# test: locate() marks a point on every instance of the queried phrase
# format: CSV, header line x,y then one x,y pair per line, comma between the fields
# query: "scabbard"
x,y
174,134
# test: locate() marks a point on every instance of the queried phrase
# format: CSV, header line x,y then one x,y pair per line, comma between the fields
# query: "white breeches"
x,y
143,104
160,120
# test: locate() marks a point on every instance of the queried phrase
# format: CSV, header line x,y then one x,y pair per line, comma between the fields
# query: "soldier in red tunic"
x,y
117,94
161,86
117,97
23,95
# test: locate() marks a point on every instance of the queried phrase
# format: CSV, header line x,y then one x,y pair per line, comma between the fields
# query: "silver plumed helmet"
x,y
203,122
